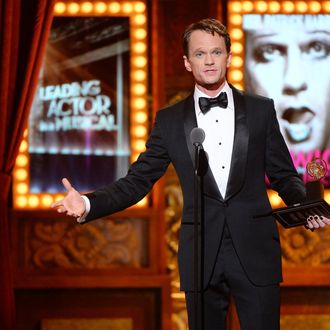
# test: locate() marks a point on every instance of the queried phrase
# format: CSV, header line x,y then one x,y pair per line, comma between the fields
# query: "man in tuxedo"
x,y
243,143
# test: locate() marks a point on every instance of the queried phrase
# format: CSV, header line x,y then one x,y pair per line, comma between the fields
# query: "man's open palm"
x,y
72,204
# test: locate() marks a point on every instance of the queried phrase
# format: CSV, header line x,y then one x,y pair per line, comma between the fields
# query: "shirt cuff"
x,y
87,209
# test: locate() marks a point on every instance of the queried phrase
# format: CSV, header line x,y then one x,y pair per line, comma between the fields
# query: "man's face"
x,y
208,61
293,67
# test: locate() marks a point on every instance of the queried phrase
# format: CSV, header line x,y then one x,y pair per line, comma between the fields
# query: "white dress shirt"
x,y
219,126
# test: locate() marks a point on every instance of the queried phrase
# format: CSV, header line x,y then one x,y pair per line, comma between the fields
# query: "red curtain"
x,y
24,28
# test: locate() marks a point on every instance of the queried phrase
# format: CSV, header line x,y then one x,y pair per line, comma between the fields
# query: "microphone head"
x,y
197,136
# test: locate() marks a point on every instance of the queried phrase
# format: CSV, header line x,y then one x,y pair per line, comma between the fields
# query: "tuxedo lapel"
x,y
190,122
210,186
240,147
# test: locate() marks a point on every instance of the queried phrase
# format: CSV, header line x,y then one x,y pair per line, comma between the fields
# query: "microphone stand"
x,y
200,170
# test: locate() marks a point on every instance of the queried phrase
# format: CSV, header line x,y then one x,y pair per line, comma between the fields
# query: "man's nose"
x,y
209,59
294,75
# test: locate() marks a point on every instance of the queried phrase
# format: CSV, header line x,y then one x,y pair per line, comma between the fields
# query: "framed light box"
x,y
89,118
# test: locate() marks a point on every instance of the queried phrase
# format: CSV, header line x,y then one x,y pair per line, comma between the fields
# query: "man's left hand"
x,y
316,221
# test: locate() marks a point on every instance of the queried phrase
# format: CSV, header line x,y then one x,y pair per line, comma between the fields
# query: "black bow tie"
x,y
206,103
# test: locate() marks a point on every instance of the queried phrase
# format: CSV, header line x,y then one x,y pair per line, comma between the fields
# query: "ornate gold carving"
x,y
173,213
303,247
100,244
179,315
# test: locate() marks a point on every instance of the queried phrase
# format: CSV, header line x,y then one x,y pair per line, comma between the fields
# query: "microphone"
x,y
197,136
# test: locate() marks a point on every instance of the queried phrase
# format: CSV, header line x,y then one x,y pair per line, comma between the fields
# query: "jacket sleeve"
x,y
280,170
141,176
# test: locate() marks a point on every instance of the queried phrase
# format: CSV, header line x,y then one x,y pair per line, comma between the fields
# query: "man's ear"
x,y
187,63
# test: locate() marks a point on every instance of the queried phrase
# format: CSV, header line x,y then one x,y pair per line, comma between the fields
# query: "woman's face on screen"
x,y
292,66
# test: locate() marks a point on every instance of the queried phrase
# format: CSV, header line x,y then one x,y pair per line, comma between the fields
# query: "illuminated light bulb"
x,y
140,19
100,7
134,156
301,6
143,202
274,6
21,160
139,89
314,6
46,200
288,6
261,6
237,61
73,8
139,145
127,8
238,85
21,201
274,199
236,6
139,47
140,131
140,117
33,201
59,8
237,47
23,147
236,19
139,75
139,7
21,174
114,7
247,6
140,103
326,6
140,61
86,7
22,188
236,34
327,196
236,75
99,152
140,33
58,197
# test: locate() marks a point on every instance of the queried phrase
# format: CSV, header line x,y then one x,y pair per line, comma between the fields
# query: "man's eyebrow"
x,y
319,31
200,49
263,35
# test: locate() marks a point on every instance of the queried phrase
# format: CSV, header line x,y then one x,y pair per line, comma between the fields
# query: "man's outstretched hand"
x,y
72,204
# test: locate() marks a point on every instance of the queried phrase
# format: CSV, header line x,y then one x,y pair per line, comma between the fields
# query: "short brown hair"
x,y
209,25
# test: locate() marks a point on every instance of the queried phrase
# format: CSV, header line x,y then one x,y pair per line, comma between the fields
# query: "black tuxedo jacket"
x,y
258,149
